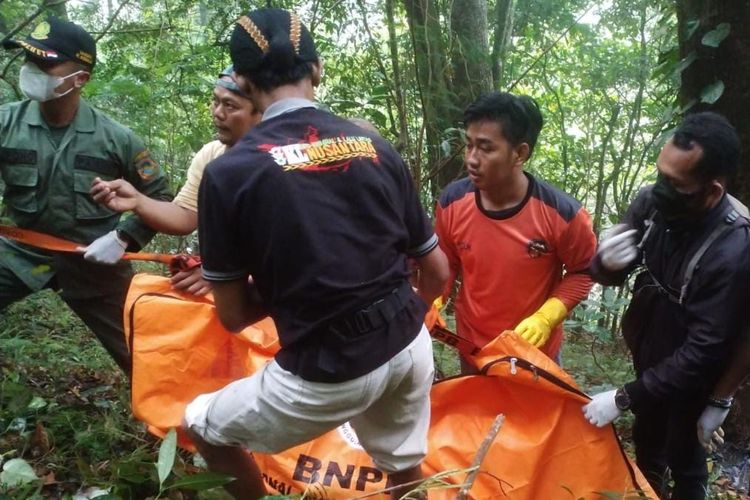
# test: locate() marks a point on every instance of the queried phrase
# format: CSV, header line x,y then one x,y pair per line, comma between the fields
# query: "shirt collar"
x,y
287,105
83,121
33,115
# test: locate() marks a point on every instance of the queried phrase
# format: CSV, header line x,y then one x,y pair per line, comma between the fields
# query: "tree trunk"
x,y
398,88
446,89
728,63
472,74
438,109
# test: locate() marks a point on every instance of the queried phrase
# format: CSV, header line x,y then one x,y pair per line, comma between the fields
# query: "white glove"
x,y
602,409
618,248
107,249
710,433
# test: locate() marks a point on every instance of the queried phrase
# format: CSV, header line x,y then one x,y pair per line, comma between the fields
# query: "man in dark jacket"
x,y
692,248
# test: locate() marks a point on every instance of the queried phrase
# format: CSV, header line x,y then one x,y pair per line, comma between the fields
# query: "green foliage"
x,y
711,93
17,472
64,412
717,35
167,452
605,74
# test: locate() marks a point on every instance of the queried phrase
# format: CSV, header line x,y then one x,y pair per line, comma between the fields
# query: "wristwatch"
x,y
622,399
724,403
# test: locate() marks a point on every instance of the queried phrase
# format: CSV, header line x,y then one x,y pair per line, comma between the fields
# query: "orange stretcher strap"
x,y
462,345
47,242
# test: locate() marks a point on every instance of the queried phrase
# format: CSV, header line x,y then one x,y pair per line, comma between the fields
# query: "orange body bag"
x,y
544,450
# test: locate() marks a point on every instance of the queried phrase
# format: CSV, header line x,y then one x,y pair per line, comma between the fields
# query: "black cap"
x,y
272,38
57,40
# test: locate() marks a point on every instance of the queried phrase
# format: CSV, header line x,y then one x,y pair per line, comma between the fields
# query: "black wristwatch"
x,y
622,399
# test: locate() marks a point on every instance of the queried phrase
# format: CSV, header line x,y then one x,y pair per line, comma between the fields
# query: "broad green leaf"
x,y
202,481
18,425
167,452
17,471
717,35
379,118
37,403
711,93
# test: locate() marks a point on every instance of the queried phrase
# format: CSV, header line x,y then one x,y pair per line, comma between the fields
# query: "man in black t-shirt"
x,y
323,215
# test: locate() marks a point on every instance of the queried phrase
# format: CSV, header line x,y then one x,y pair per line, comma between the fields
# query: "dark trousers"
x,y
101,311
665,436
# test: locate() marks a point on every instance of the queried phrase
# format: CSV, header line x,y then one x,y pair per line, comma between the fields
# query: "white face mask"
x,y
38,85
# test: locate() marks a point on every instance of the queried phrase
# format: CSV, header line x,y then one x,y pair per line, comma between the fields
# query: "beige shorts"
x,y
273,410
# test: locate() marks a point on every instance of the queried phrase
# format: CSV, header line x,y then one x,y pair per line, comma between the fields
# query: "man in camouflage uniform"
x,y
52,145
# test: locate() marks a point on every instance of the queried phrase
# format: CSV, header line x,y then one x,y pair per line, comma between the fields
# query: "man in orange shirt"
x,y
510,236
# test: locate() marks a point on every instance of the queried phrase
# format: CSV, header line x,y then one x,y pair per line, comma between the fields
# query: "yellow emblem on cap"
x,y
41,31
84,56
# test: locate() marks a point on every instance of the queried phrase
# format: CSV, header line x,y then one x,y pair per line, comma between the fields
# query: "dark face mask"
x,y
674,205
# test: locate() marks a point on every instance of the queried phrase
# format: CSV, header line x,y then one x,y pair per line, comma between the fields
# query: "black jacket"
x,y
680,350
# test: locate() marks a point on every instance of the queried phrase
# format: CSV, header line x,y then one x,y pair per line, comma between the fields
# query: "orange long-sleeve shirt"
x,y
512,261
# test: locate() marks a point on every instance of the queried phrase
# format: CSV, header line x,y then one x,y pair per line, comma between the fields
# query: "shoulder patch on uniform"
x,y
455,191
146,167
562,202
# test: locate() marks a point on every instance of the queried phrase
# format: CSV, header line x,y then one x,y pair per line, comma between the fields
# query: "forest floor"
x,y
64,410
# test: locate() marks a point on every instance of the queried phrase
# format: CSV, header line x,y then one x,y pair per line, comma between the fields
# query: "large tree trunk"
x,y
472,74
730,64
438,109
472,71
447,88
403,143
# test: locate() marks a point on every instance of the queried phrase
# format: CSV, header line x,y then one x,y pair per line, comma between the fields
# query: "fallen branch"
x,y
463,493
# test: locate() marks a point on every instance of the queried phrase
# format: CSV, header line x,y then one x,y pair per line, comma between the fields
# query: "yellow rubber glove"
x,y
537,328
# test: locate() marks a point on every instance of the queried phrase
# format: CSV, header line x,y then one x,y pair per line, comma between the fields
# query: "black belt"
x,y
374,316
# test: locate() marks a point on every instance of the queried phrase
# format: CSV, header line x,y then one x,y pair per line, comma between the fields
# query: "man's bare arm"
x,y
433,274
163,216
238,304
